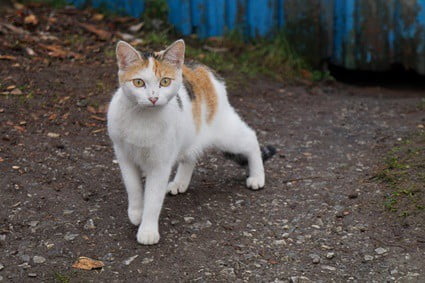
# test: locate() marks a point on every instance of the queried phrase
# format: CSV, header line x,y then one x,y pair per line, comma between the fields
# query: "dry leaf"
x,y
87,263
11,87
98,118
31,19
97,17
58,51
16,91
30,51
53,135
91,109
1,159
53,116
136,28
19,128
102,34
7,57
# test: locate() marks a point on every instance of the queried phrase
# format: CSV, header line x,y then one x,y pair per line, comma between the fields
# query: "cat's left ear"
x,y
174,54
126,55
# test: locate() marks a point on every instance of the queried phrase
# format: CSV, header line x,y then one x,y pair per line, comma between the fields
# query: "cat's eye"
x,y
165,82
138,83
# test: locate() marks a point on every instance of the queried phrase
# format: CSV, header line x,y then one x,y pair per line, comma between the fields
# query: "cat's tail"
x,y
267,152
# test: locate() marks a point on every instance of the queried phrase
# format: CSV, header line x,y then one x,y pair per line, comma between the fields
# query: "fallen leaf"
x,y
125,36
53,116
11,87
53,135
136,28
91,109
97,131
14,29
1,159
58,51
98,17
86,263
19,128
102,34
7,57
15,167
31,19
98,118
16,91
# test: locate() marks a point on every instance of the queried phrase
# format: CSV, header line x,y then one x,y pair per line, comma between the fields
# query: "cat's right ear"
x,y
126,55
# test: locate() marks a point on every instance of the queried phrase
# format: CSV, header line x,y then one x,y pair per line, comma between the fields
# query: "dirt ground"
x,y
320,217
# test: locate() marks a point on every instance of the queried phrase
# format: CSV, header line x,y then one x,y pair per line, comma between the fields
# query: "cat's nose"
x,y
153,100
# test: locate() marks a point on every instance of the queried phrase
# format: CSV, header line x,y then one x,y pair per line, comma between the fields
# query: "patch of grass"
x,y
61,278
403,175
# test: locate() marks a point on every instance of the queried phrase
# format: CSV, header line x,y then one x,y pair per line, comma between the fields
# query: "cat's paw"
x,y
255,183
147,237
135,215
175,187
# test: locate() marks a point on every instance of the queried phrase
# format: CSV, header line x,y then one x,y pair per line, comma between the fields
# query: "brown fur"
x,y
203,91
129,73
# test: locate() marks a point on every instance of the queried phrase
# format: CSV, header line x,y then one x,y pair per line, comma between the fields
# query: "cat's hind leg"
x,y
236,137
182,179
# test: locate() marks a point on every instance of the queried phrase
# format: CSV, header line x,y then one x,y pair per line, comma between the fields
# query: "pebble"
x,y
147,260
381,251
368,257
89,225
228,272
1,267
3,237
32,275
53,135
67,212
130,260
25,258
285,235
38,259
1,278
188,219
328,267
33,223
108,257
69,236
330,255
315,258
280,242
299,279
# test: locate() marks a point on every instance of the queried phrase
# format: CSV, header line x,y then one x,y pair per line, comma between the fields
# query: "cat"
x,y
166,113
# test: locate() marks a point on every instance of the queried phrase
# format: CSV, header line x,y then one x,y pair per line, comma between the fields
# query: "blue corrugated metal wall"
x,y
356,34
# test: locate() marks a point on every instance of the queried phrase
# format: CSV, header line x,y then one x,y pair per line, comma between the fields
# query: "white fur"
x,y
150,140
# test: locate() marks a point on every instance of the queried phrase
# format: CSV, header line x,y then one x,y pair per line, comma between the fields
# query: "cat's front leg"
x,y
182,179
132,181
155,190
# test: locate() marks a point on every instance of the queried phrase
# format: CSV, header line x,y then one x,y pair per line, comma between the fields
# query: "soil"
x,y
320,217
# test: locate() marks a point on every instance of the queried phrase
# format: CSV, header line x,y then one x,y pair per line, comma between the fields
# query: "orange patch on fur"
x,y
203,91
129,73
163,69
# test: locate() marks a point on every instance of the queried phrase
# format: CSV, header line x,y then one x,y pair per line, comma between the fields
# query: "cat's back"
x,y
206,91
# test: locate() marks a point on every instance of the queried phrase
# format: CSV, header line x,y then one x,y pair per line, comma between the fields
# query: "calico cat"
x,y
164,113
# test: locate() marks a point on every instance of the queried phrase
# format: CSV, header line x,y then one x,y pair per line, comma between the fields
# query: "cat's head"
x,y
150,79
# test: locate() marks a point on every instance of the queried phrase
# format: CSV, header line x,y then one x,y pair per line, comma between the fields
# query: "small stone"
x,y
228,272
3,237
380,251
53,135
32,274
129,260
147,260
1,267
38,259
188,219
108,257
280,242
330,255
67,212
25,258
69,236
315,258
89,225
33,223
368,257
1,278
328,267
285,235
299,279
